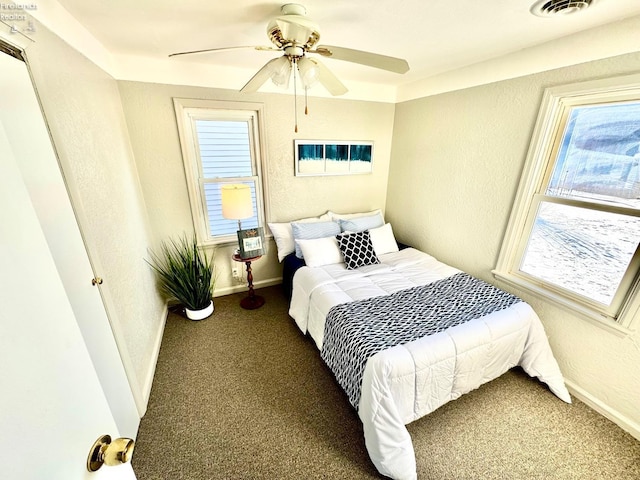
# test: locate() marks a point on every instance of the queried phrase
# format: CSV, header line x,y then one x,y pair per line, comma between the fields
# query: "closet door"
x,y
61,363
53,407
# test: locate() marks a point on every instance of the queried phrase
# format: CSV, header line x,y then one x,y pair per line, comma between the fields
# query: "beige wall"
x,y
154,136
82,108
456,163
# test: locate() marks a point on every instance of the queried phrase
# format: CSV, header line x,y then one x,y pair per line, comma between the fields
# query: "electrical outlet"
x,y
236,274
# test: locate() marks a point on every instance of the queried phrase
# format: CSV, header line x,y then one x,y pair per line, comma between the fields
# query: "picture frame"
x,y
251,242
332,157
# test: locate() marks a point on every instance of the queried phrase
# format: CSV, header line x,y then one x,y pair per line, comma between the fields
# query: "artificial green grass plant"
x,y
185,273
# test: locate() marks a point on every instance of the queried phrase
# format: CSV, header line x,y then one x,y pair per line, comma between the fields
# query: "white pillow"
x,y
283,235
383,239
312,230
345,216
320,251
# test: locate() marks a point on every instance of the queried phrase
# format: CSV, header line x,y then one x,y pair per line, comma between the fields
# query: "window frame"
x,y
188,111
541,157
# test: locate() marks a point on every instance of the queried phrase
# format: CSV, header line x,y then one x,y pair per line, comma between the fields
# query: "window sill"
x,y
227,242
575,308
218,243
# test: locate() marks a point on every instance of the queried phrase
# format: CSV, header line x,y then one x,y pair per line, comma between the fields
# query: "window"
x,y
221,145
574,232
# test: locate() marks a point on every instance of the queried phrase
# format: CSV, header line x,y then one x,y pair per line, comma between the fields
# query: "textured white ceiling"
x,y
434,36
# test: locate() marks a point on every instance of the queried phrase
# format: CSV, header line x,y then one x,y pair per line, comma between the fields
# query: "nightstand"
x,y
252,301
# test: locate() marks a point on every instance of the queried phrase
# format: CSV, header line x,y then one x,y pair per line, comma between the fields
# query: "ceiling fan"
x,y
296,35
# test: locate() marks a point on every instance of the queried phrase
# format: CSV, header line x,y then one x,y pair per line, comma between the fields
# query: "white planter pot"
x,y
199,314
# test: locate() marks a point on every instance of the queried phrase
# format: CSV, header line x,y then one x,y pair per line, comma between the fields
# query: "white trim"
x,y
554,102
530,179
577,309
153,361
220,292
188,149
603,409
187,111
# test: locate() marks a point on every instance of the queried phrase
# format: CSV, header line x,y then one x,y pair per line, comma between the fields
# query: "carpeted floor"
x,y
244,395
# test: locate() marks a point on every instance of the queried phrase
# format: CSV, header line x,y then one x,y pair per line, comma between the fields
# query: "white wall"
x,y
456,163
154,136
82,107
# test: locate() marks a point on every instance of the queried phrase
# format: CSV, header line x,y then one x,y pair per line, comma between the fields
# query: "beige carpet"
x,y
244,395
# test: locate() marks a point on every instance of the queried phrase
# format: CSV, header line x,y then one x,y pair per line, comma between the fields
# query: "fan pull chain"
x,y
306,108
295,95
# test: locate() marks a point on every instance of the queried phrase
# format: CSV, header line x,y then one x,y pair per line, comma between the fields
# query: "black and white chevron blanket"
x,y
357,330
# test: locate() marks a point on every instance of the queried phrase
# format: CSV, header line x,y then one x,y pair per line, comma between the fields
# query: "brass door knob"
x,y
110,453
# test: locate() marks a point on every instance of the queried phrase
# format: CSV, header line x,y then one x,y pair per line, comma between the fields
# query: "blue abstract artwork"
x,y
323,157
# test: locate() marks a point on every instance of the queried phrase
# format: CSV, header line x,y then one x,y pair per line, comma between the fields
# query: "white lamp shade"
x,y
308,72
280,70
236,202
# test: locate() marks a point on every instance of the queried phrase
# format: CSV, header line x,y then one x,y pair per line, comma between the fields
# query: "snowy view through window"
x,y
580,249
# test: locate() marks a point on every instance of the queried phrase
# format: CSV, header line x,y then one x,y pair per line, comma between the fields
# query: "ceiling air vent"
x,y
556,8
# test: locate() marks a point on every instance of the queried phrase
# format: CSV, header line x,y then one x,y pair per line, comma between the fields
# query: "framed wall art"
x,y
332,157
251,242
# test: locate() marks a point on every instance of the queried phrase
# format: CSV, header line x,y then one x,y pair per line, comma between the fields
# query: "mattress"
x,y
407,381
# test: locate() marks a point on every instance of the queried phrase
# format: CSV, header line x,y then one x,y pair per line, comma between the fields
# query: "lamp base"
x,y
252,302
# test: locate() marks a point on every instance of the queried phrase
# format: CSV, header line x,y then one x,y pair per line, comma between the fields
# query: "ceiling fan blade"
x,y
260,77
393,64
223,49
329,80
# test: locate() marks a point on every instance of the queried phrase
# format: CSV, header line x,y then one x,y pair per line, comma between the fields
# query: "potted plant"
x,y
186,274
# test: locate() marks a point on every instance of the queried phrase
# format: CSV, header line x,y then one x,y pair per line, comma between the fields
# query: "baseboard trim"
x,y
220,292
605,410
151,370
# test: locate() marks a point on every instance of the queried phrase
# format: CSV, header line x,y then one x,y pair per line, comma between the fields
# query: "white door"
x,y
52,406
27,137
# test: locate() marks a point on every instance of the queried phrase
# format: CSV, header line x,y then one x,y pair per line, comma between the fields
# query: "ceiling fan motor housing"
x,y
293,28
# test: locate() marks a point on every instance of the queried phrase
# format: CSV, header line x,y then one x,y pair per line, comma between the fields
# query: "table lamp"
x,y
236,202
236,205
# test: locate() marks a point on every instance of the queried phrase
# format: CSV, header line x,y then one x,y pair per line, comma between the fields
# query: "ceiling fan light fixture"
x,y
559,8
309,72
295,35
280,71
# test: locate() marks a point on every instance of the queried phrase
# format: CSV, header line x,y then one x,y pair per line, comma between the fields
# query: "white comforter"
x,y
406,382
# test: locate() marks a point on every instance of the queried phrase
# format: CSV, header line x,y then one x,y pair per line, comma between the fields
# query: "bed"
x,y
395,377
